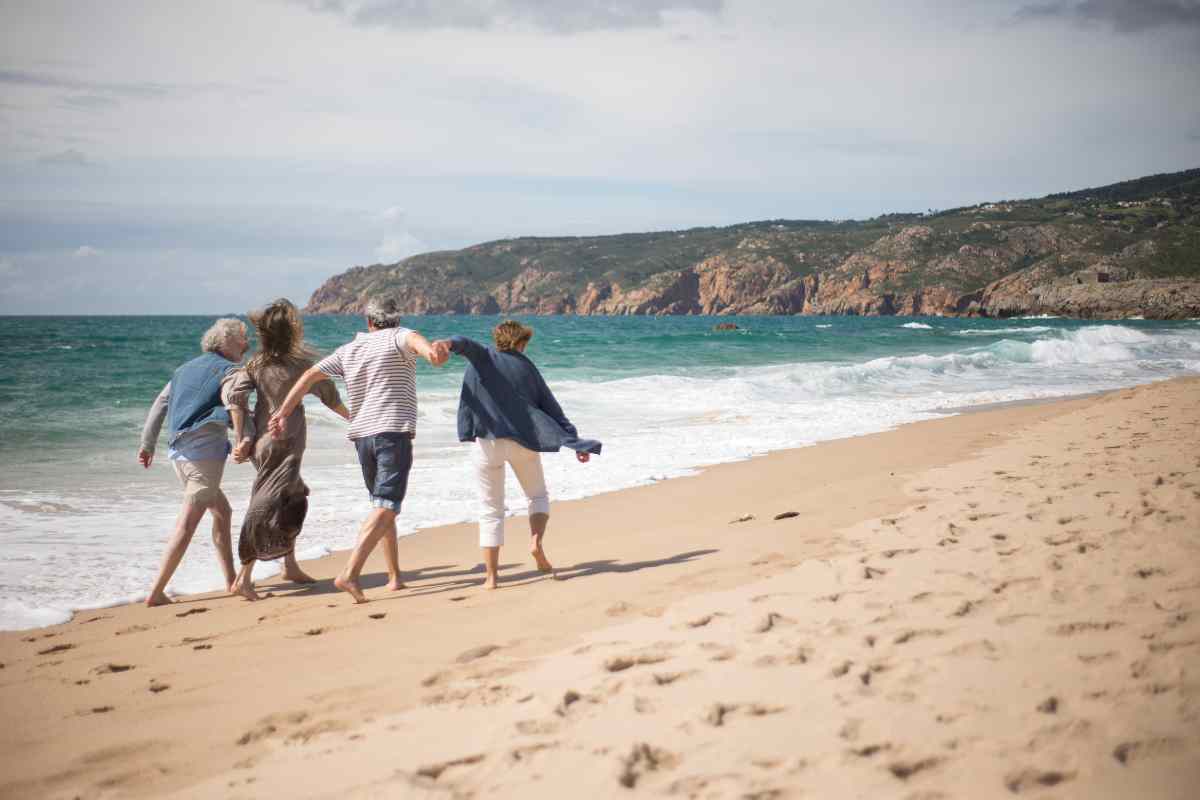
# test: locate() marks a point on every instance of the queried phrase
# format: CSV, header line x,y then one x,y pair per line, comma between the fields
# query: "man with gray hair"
x,y
379,368
194,409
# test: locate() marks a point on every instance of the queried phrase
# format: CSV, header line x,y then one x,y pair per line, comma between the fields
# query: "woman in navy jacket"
x,y
509,411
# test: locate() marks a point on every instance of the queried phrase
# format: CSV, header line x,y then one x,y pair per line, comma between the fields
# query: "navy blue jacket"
x,y
505,397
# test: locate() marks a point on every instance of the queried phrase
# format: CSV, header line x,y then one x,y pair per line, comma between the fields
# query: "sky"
x,y
163,157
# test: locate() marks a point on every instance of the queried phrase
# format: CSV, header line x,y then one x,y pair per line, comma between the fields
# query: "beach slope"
x,y
999,603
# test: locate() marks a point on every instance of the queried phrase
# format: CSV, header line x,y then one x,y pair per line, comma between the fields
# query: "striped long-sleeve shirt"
x,y
379,369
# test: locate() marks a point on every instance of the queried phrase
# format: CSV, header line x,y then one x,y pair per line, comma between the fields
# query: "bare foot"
x,y
350,587
490,582
246,590
395,585
298,575
539,556
158,599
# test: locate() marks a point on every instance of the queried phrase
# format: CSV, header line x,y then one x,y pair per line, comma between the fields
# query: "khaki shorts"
x,y
201,481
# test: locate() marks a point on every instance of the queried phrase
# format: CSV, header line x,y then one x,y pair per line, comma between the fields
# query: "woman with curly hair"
x,y
279,499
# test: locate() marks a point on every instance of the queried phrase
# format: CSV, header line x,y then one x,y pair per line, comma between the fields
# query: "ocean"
x,y
83,526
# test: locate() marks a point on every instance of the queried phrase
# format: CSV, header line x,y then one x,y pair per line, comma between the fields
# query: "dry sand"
x,y
999,603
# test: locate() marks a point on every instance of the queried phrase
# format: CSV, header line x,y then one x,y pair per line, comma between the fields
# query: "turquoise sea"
x,y
82,525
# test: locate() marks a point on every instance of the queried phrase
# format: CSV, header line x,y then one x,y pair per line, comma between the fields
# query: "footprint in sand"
x,y
379,615
106,669
643,758
58,648
132,629
156,687
190,611
1033,778
770,621
314,631
906,769
476,653
871,750
1128,752
1073,628
622,663
908,636
434,771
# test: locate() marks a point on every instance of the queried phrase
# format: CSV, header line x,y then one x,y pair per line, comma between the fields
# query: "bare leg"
x,y
537,529
491,563
185,526
222,517
379,522
244,584
391,555
292,571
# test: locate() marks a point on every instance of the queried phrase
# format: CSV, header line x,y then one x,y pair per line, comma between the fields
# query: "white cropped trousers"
x,y
490,457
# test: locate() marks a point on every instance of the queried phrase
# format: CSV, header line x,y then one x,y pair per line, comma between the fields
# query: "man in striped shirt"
x,y
379,369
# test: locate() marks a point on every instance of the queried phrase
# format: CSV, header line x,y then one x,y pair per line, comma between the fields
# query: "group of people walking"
x,y
505,407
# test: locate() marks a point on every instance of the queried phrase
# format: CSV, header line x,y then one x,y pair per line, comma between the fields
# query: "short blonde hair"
x,y
221,332
510,334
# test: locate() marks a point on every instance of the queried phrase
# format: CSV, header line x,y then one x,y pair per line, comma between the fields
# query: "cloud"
x,y
67,158
7,267
1123,16
90,102
562,16
85,251
398,243
42,80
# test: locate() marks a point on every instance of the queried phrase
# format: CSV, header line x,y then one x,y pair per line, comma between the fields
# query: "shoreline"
x,y
693,470
291,690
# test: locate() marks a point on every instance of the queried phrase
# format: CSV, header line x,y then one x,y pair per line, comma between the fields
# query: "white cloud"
x,y
398,243
85,251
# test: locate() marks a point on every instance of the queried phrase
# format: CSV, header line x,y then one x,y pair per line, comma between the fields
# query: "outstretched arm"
x,y
311,377
435,353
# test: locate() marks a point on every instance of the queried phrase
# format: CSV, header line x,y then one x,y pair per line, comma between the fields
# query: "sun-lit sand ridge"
x,y
998,603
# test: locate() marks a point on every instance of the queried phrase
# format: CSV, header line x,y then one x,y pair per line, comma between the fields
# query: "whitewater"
x,y
83,526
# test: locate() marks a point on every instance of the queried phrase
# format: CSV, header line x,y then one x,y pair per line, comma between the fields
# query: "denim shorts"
x,y
386,459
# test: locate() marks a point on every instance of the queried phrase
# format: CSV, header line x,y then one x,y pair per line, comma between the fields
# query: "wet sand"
x,y
1000,603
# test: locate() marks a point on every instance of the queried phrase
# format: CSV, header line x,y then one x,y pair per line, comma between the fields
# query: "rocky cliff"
x,y
1130,249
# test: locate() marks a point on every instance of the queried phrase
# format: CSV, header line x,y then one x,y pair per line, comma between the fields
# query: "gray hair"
x,y
221,332
382,313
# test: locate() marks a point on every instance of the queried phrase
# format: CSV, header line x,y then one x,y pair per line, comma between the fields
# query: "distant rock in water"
x,y
725,326
1131,249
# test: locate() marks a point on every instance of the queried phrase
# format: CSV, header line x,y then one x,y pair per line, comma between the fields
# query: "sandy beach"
x,y
997,603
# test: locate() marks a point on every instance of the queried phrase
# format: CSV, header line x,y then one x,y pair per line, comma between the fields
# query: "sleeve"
x,y
327,393
236,388
548,404
154,420
469,349
331,365
402,342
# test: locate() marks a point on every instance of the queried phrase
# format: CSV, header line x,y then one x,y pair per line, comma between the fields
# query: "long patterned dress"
x,y
279,499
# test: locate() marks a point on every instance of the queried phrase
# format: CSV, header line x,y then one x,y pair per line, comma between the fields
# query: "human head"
x,y
382,313
280,331
511,335
227,337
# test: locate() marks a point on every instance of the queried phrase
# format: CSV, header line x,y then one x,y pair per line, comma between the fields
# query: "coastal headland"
x,y
987,605
1130,249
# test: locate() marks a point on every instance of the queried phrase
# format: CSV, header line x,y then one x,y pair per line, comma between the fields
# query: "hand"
x,y
441,352
278,424
146,458
241,453
583,458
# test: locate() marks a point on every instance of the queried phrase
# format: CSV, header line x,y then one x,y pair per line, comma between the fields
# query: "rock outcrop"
x,y
1126,250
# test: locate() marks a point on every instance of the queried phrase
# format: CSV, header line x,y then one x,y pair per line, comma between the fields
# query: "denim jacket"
x,y
196,395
